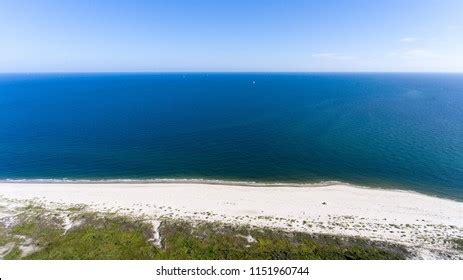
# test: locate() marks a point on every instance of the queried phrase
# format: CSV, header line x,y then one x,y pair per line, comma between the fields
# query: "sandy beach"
x,y
423,223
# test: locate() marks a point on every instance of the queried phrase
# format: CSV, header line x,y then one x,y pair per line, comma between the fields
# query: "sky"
x,y
231,35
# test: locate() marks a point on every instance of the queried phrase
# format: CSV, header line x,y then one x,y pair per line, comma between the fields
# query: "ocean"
x,y
400,131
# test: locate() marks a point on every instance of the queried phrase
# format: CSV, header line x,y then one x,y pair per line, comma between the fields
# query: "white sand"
x,y
423,222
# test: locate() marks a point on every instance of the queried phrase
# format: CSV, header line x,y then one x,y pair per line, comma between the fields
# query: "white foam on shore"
x,y
324,183
170,180
408,218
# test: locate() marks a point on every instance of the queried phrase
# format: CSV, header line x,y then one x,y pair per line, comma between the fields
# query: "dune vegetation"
x,y
74,233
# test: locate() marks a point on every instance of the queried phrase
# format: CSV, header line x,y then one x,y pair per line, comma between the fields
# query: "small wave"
x,y
170,180
325,183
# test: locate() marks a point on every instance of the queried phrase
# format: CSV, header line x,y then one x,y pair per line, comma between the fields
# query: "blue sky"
x,y
238,35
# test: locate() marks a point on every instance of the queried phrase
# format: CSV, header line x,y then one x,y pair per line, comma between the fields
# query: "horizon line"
x,y
231,72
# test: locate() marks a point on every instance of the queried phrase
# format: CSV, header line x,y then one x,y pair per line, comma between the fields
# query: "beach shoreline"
x,y
222,182
421,222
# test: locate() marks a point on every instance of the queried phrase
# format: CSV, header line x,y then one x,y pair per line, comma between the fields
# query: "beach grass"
x,y
182,240
458,243
99,236
111,241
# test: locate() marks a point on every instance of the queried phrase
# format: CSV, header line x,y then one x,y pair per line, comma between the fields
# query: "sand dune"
x,y
422,222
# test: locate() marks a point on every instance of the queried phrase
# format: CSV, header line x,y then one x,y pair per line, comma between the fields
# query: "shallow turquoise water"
x,y
386,130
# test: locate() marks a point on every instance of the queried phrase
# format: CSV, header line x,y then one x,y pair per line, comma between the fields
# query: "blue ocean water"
x,y
381,130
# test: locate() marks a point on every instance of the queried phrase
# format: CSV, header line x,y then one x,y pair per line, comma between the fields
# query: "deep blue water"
x,y
387,130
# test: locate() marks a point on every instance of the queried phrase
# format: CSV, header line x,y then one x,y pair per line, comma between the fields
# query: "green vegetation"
x,y
41,234
14,254
98,236
458,243
111,241
215,241
4,239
